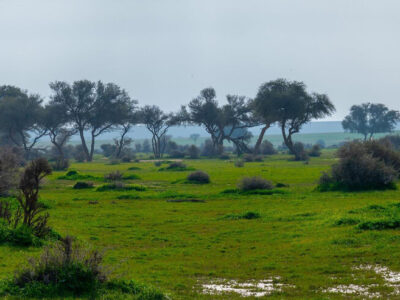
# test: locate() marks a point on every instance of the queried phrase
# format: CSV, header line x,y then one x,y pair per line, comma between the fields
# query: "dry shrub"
x,y
363,166
254,183
199,177
66,266
9,163
114,176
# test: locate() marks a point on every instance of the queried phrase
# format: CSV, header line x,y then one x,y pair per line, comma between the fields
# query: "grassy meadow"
x,y
163,237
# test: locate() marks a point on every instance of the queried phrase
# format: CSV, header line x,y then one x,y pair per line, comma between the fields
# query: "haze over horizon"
x,y
165,52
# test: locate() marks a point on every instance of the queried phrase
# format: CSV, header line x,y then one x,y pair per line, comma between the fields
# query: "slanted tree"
x,y
59,129
289,103
127,121
222,123
93,107
21,116
158,123
370,118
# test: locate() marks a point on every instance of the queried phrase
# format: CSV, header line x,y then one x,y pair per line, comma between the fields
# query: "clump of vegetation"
x,y
250,215
363,166
254,183
300,154
193,152
27,224
119,186
68,269
267,148
60,164
133,168
130,177
113,176
239,163
75,175
82,185
130,196
252,158
200,177
9,163
315,151
176,166
224,156
380,224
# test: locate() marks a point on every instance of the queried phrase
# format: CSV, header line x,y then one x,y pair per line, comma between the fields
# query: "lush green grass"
x,y
312,240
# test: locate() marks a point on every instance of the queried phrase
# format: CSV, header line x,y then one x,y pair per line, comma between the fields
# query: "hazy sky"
x,y
164,52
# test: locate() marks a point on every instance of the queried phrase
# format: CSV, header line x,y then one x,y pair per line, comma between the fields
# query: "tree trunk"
x,y
84,146
288,140
91,148
260,139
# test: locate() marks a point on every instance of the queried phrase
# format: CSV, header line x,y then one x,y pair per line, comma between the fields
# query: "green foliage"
x,y
250,215
75,175
118,186
82,185
130,196
254,183
199,177
176,166
363,166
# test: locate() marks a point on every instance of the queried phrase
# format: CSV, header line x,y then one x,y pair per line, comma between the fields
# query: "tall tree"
x,y
158,123
370,118
21,116
289,103
93,107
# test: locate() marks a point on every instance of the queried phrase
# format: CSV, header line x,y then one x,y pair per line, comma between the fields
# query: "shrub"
x,y
120,187
250,215
239,163
177,154
380,224
176,166
362,166
198,177
60,164
158,163
66,267
315,151
393,140
79,154
113,176
9,163
267,148
299,151
124,197
254,183
74,175
248,157
130,177
83,185
224,156
193,152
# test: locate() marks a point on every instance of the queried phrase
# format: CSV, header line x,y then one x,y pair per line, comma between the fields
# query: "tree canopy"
x,y
370,118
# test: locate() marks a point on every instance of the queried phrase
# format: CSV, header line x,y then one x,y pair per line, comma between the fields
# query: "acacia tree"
x,y
228,122
57,123
370,118
21,116
127,121
93,107
158,123
289,103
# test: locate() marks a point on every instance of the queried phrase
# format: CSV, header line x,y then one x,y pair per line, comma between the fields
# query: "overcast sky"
x,y
164,52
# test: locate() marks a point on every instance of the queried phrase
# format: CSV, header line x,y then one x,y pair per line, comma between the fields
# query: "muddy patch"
x,y
391,279
251,288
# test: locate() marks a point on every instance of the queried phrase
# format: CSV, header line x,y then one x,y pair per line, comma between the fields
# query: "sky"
x,y
164,52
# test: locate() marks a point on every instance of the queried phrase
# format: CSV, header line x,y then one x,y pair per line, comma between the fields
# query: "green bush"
x,y
74,175
363,166
120,187
198,177
380,224
83,185
250,215
254,183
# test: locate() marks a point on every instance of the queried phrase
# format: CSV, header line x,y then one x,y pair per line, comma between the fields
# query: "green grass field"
x,y
307,240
